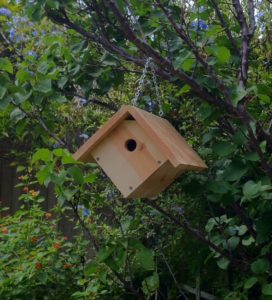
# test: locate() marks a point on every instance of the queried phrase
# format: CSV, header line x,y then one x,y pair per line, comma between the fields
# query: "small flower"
x,y
35,33
25,189
34,240
48,215
67,266
84,136
24,19
4,230
31,53
83,102
66,238
34,193
19,38
85,212
22,177
56,145
38,266
5,12
200,24
12,34
56,246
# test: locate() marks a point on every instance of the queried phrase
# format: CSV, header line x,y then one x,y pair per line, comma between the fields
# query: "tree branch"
x,y
194,232
246,36
225,26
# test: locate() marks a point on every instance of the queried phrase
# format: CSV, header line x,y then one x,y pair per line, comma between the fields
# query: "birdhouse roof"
x,y
160,131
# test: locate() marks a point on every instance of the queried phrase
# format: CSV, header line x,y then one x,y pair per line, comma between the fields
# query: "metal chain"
x,y
141,82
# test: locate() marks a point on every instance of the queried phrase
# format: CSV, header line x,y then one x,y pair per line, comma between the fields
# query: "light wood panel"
x,y
128,170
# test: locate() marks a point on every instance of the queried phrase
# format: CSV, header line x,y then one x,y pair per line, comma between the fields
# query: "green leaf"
x,y
187,64
248,241
240,93
76,173
58,152
23,75
43,175
264,98
145,259
260,266
151,283
42,154
104,253
223,148
90,178
235,171
6,65
233,242
44,86
219,187
251,189
68,159
222,54
253,156
91,268
5,102
22,96
223,263
69,193
267,289
62,81
239,138
3,91
185,89
17,114
250,283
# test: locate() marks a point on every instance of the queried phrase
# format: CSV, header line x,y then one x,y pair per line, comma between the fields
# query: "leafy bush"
x,y
37,261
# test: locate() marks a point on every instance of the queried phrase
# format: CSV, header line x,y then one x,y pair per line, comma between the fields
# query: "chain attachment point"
x,y
139,90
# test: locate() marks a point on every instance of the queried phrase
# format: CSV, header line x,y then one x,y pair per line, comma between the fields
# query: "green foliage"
x,y
215,226
36,259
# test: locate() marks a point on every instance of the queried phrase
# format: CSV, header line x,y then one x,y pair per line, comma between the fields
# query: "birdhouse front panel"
x,y
128,157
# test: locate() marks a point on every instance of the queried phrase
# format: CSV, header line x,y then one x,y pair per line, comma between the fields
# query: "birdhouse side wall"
x,y
157,182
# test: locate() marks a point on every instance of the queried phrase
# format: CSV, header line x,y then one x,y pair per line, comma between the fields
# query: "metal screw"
x,y
131,188
97,158
159,162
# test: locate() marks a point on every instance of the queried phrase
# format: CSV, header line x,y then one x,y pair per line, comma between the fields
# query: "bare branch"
x,y
251,15
246,36
225,26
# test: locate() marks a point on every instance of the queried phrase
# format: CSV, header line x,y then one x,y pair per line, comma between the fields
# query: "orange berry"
x,y
56,246
4,230
34,240
25,189
34,193
38,266
67,266
48,215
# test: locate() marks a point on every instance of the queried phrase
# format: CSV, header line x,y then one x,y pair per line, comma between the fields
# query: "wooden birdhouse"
x,y
140,152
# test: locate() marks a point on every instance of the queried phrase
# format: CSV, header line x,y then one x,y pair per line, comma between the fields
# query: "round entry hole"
x,y
131,145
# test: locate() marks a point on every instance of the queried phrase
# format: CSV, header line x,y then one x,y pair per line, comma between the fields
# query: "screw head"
x,y
97,158
131,188
159,162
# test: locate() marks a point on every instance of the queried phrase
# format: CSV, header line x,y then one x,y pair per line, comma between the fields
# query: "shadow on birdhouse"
x,y
141,153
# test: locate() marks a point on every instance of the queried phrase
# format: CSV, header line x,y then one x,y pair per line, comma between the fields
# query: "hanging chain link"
x,y
141,82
